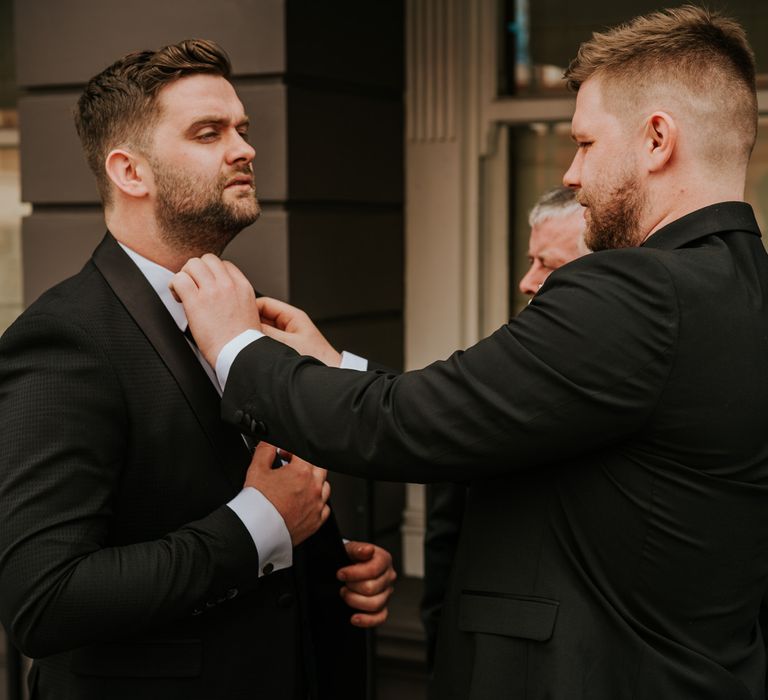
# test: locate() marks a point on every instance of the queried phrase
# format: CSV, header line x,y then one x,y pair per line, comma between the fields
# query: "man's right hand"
x,y
298,490
294,328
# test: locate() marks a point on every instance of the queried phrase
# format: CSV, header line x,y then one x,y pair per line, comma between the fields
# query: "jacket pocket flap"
x,y
490,613
146,659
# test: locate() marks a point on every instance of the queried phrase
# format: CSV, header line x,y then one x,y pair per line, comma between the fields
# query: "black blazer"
x,y
615,539
121,569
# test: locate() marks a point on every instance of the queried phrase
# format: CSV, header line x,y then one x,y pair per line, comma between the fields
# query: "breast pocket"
x,y
504,626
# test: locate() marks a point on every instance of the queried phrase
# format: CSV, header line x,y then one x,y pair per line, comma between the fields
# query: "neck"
x,y
669,203
142,235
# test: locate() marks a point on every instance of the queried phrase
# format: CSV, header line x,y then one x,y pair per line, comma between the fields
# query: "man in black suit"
x,y
615,540
140,555
556,238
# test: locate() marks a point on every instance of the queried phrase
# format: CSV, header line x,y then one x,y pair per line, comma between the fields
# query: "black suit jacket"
x,y
615,539
121,568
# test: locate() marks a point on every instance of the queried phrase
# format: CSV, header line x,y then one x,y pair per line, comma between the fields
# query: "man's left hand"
x,y
367,583
219,302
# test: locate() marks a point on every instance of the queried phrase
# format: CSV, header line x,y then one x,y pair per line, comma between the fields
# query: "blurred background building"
x,y
399,147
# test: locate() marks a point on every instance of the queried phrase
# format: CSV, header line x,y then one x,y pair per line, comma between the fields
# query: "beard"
x,y
614,216
194,217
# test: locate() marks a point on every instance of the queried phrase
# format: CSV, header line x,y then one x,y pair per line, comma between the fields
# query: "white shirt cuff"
x,y
351,361
267,528
230,351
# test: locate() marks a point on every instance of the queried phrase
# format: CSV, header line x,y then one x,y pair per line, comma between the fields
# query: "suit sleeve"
x,y
61,459
583,366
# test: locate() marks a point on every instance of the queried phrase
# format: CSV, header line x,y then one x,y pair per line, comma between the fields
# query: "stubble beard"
x,y
196,219
615,220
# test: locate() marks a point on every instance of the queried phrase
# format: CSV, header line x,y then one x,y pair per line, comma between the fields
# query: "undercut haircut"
x,y
560,201
688,57
119,106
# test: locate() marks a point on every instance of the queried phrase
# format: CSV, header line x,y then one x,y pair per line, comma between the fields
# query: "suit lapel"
x,y
146,309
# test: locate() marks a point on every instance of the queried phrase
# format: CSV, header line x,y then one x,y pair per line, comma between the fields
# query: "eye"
x,y
244,135
207,136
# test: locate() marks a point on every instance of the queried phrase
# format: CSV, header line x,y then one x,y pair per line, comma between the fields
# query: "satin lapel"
x,y
146,309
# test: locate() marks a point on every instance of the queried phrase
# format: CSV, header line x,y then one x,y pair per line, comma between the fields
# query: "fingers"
x,y
367,620
372,587
183,287
275,333
263,457
209,270
360,551
234,272
278,312
284,454
375,566
368,604
201,272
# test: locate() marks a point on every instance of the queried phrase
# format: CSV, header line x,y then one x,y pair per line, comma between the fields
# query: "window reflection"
x,y
540,37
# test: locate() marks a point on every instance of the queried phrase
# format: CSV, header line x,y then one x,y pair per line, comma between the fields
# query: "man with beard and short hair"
x,y
615,540
140,555
556,238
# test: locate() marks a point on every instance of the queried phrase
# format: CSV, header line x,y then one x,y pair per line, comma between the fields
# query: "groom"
x,y
144,551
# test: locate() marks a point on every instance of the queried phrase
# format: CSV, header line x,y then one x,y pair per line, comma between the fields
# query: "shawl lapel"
x,y
153,319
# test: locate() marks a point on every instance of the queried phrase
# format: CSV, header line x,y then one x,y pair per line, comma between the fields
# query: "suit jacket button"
x,y
269,567
285,600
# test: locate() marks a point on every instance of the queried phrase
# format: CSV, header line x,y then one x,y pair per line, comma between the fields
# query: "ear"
x,y
129,172
660,140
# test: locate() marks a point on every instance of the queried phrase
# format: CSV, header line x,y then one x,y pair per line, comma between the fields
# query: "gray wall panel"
x,y
65,43
53,167
346,262
54,170
55,245
346,148
347,40
261,252
379,338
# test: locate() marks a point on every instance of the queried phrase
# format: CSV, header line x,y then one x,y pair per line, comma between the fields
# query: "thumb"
x,y
263,457
276,334
360,551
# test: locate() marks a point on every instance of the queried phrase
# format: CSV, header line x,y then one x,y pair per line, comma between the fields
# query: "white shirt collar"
x,y
159,277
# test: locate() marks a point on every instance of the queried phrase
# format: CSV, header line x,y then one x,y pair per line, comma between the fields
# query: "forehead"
x,y
591,113
557,231
190,97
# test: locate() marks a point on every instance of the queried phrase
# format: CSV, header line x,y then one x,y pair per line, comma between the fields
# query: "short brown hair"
x,y
119,105
704,57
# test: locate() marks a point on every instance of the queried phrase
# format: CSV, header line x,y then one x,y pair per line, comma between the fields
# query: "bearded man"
x,y
140,555
615,540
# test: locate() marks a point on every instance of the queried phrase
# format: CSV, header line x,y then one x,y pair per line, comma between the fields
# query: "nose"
x,y
240,150
572,177
533,279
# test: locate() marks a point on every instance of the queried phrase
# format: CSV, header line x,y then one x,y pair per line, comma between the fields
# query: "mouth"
x,y
240,181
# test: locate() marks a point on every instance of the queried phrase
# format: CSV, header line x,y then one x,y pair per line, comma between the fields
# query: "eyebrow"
x,y
215,121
